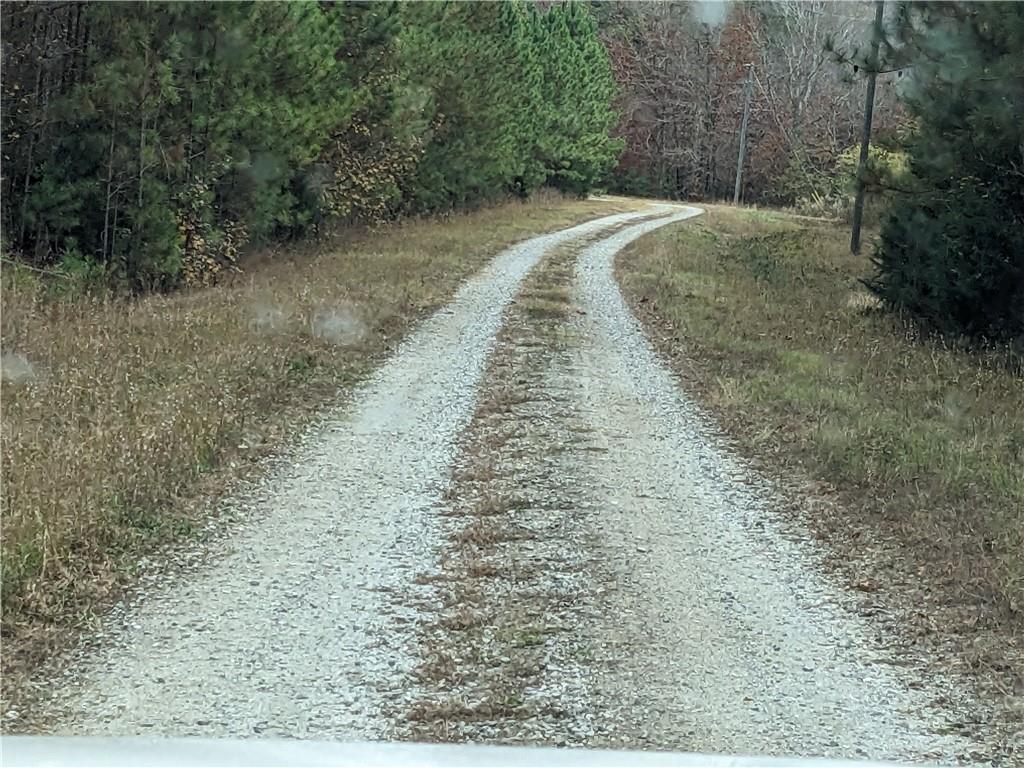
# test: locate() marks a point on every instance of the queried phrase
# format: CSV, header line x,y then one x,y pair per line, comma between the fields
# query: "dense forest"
x,y
148,142
144,145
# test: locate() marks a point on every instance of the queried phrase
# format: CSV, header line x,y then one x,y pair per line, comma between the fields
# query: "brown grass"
x,y
499,704
923,438
464,618
440,668
504,399
476,568
502,649
483,533
132,409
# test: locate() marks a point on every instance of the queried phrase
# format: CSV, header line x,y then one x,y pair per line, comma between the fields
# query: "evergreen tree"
x,y
153,140
952,249
466,56
576,146
179,117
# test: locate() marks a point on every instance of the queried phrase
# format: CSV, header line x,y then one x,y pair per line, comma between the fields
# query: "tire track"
x,y
727,637
613,577
299,624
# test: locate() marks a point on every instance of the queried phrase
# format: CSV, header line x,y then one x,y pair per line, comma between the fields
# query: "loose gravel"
x,y
658,599
725,636
583,563
300,623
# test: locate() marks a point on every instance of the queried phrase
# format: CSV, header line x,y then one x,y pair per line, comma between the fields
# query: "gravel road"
x,y
640,590
299,624
649,597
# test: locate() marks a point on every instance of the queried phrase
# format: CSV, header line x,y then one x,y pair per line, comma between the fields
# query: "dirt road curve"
x,y
679,613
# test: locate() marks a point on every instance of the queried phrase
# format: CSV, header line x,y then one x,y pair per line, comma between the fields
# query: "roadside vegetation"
x,y
764,316
146,144
951,247
119,415
173,305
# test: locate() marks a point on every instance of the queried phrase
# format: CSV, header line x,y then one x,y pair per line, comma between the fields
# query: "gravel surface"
x,y
639,588
726,637
560,551
299,624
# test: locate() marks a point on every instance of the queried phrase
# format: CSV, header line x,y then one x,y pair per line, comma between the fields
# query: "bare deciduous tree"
x,y
681,80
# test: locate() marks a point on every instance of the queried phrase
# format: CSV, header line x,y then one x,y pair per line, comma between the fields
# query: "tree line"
x,y
681,69
145,143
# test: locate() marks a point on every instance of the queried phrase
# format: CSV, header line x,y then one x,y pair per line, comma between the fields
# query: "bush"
x,y
831,193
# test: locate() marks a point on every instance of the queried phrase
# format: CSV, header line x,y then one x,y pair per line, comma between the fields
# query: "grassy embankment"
x,y
919,442
119,417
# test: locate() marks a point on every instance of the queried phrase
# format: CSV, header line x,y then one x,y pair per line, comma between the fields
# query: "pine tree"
x,y
466,56
153,140
576,146
952,249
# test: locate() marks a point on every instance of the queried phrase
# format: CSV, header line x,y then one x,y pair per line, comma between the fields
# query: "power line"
x,y
748,86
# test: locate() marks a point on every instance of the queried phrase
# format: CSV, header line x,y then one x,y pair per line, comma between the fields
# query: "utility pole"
x,y
865,139
747,87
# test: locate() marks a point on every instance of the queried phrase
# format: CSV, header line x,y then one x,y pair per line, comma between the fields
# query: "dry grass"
x,y
556,295
485,533
924,438
440,668
477,568
504,399
464,618
123,412
480,624
499,704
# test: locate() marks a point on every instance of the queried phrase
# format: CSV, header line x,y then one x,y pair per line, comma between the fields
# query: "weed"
x,y
493,504
302,365
550,295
